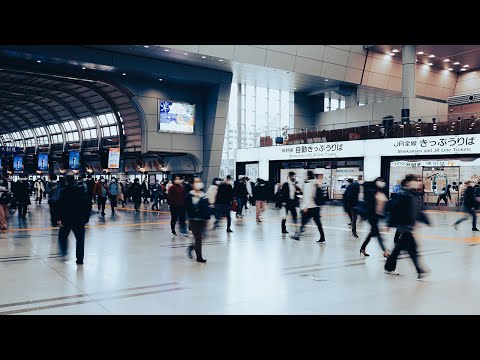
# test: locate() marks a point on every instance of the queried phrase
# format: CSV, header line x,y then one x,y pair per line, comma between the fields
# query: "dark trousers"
x,y
403,241
289,207
113,202
22,209
473,213
178,213
374,232
155,202
53,212
241,203
79,231
223,210
39,198
145,199
315,214
444,198
101,204
197,227
136,204
354,216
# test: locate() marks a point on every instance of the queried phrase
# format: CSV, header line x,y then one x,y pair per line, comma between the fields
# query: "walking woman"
x,y
376,198
136,193
198,209
39,190
469,206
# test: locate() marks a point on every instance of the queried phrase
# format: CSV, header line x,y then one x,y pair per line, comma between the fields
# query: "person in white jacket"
x,y
309,208
39,190
212,193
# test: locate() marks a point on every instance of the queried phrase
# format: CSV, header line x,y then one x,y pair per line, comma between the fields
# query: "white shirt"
x,y
249,188
309,192
291,187
212,193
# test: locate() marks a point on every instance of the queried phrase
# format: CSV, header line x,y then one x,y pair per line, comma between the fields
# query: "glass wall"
x,y
252,111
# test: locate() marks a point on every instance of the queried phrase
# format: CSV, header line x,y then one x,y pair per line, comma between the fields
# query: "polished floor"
x,y
134,266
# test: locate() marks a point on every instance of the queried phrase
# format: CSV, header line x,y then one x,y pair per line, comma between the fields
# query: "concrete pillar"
x,y
351,100
408,78
371,167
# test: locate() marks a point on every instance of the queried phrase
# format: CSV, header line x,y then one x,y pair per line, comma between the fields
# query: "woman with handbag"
x,y
376,200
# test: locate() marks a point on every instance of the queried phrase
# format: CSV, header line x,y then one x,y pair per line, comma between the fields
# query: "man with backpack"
x,y
53,191
101,191
313,198
405,210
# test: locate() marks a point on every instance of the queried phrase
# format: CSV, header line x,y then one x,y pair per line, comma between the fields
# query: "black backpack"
x,y
5,198
320,197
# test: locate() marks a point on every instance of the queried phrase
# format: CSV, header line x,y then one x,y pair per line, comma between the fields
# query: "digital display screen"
x,y
18,163
113,158
176,116
1,165
74,160
43,162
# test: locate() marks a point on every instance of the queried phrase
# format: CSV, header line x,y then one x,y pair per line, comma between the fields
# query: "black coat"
x,y
469,197
135,191
286,195
224,194
240,190
260,192
21,192
74,206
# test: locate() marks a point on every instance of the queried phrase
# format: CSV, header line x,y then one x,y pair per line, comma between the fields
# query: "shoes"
x,y
190,232
229,230
103,214
302,229
202,260
364,252
174,233
394,272
455,226
79,262
421,276
349,224
295,237
355,235
189,252
321,241
475,229
284,232
259,221
386,254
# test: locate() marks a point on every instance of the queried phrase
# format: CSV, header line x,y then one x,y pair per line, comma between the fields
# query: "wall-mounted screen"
x,y
1,165
176,116
43,162
18,163
113,158
74,160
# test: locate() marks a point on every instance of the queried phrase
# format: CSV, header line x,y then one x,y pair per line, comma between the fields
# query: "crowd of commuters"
x,y
187,200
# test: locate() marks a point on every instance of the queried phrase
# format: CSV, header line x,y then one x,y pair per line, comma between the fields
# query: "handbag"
x,y
234,205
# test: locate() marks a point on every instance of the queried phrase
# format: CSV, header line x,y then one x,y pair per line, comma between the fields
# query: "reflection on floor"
x,y
134,266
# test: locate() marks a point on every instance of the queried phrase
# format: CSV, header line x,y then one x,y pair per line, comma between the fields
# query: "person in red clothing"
x,y
176,199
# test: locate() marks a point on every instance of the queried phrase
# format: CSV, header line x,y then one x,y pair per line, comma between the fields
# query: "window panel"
x,y
106,131
83,123
103,120
93,133
91,123
111,118
113,131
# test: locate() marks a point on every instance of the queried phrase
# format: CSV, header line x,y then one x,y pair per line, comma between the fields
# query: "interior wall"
x,y
468,83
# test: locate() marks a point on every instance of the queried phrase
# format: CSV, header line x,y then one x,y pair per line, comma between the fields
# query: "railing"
x,y
435,125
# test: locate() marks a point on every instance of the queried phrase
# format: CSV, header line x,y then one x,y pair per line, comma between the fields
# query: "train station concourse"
x,y
239,179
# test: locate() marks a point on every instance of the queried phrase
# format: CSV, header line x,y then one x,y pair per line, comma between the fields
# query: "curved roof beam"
x,y
35,115
7,132
15,125
44,106
16,113
61,103
61,89
84,83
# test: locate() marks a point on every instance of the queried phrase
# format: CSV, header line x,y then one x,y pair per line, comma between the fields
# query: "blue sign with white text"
x,y
43,162
18,163
74,160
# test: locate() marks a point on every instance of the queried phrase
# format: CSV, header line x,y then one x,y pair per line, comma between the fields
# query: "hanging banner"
x,y
113,158
43,162
18,163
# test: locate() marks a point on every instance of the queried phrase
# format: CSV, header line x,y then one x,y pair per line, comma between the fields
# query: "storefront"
x,y
439,160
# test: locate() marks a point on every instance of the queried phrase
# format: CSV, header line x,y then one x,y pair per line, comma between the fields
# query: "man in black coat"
x,y
223,203
469,206
290,199
21,192
241,194
74,212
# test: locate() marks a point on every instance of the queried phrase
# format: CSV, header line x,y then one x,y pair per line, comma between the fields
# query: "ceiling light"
x,y
446,60
431,56
220,60
83,67
456,63
294,88
429,64
379,100
463,69
466,66
160,79
450,69
124,74
167,50
391,54
146,46
395,50
204,57
38,61
420,53
326,79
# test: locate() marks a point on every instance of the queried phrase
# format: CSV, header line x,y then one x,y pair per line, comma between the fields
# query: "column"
x,y
351,100
408,79
371,167
264,169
